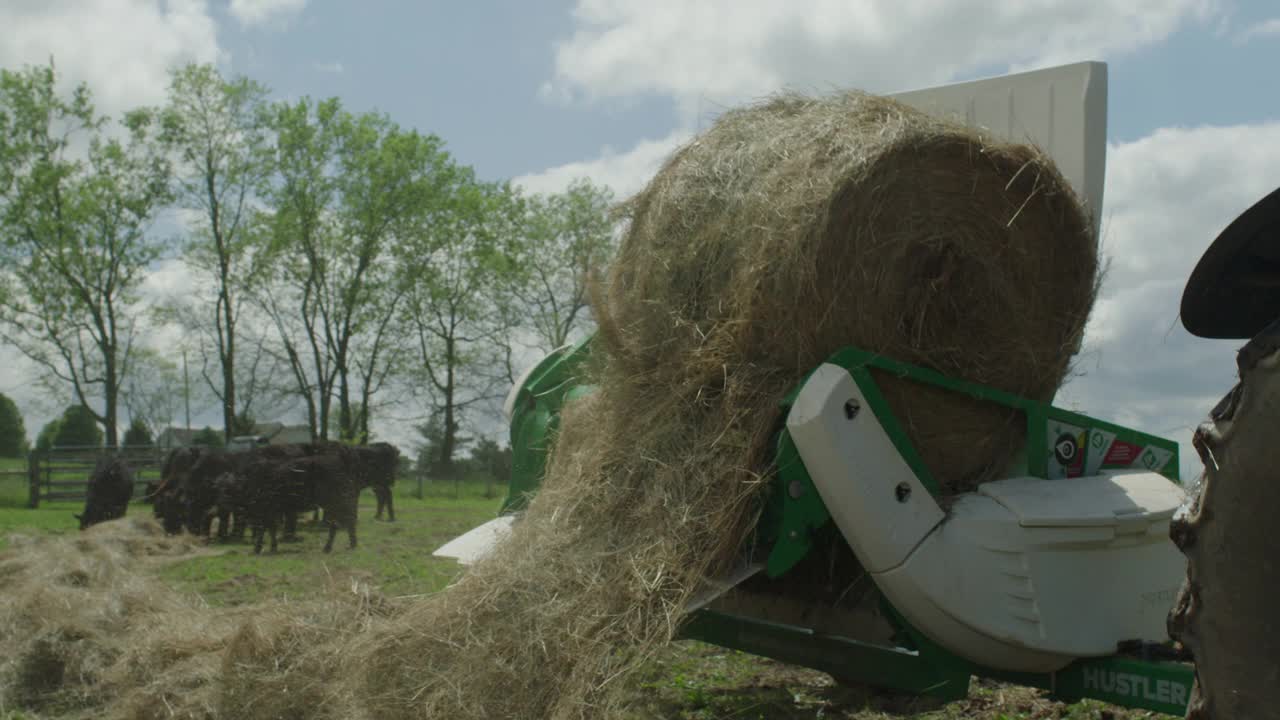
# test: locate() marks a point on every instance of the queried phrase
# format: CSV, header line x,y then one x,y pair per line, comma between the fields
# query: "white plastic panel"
x,y
1034,598
477,542
1109,500
1061,109
857,471
1025,574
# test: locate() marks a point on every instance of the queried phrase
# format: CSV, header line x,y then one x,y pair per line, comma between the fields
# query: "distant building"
x,y
173,437
275,433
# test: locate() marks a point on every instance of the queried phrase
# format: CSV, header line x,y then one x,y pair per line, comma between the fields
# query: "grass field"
x,y
690,681
13,488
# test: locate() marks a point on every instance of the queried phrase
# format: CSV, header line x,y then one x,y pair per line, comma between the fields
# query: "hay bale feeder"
x,y
806,262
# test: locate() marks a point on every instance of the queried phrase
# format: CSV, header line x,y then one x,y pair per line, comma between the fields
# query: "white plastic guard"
x,y
1026,574
840,439
469,547
1061,109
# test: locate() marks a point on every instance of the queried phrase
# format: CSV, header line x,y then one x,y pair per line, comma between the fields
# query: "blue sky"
x,y
545,91
468,72
472,72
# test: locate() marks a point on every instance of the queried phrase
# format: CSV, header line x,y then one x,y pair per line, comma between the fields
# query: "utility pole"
x,y
186,387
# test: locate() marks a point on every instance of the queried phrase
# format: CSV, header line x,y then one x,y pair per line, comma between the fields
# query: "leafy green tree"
x,y
154,390
74,245
78,428
567,236
344,187
45,440
138,434
13,432
208,437
452,267
428,447
429,460
218,128
493,461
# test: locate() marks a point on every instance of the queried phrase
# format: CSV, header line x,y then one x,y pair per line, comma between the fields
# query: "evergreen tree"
x,y
78,428
208,437
13,432
138,434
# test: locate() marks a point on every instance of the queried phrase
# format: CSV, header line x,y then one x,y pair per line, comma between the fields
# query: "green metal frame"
x,y
1039,416
796,509
794,513
922,668
535,418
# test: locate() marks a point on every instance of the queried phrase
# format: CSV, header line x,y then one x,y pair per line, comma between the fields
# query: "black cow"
x,y
231,505
328,480
274,493
187,498
109,492
198,497
267,460
169,496
377,469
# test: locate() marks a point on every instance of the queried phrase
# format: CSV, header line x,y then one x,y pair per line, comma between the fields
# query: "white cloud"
x,y
1266,28
1171,192
121,48
728,51
1168,196
625,173
260,12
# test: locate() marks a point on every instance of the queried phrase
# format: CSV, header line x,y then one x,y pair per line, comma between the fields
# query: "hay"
x,y
86,631
799,226
788,230
68,605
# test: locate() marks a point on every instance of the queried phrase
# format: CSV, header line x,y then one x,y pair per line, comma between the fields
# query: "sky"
x,y
542,92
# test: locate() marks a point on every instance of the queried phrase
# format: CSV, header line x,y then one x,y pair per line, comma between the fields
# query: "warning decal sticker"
x,y
1066,450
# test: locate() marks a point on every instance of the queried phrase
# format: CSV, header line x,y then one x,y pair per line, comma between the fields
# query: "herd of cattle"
x,y
260,490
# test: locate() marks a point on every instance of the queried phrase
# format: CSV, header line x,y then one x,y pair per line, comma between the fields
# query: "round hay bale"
x,y
788,230
801,225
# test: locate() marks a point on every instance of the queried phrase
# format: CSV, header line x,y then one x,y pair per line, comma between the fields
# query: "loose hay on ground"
x,y
86,630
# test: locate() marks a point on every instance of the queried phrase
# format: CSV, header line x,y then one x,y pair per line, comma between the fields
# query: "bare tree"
x,y
257,370
153,390
217,128
566,236
75,236
454,268
345,186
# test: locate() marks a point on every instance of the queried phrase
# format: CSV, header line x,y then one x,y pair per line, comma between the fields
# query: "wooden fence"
x,y
62,473
21,474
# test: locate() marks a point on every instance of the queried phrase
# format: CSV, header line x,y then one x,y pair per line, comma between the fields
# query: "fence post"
x,y
33,479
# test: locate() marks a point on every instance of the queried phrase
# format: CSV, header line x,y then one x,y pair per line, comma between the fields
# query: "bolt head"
x,y
795,489
902,492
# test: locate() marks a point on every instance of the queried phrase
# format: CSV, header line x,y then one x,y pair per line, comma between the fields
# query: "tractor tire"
x,y
1228,611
